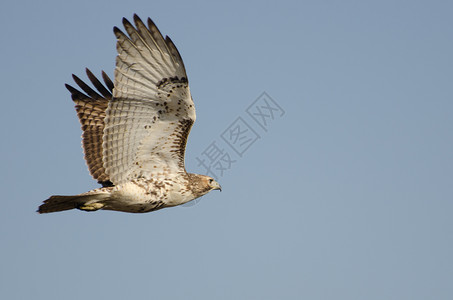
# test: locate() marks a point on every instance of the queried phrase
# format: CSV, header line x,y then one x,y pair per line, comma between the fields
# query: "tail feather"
x,y
61,203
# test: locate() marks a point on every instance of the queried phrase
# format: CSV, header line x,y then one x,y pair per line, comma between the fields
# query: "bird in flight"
x,y
135,129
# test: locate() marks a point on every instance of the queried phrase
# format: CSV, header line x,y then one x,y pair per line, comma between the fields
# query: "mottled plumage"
x,y
135,129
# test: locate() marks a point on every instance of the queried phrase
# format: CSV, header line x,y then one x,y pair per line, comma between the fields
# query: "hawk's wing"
x,y
150,116
91,109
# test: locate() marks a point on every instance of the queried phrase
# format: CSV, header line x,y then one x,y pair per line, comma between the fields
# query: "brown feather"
x,y
91,109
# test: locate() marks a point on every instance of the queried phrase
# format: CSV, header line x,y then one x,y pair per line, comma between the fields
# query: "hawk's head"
x,y
202,184
214,185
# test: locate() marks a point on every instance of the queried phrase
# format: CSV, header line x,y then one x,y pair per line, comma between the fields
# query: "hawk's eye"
x,y
211,180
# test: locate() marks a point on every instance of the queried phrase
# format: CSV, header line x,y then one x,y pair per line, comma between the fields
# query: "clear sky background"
x,y
347,195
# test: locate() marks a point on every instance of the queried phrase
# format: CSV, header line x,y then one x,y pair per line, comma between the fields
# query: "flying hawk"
x,y
135,129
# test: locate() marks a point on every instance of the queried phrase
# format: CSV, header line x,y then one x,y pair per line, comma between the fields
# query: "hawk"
x,y
135,129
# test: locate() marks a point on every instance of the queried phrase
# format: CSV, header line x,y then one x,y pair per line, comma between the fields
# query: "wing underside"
x,y
91,106
150,116
138,125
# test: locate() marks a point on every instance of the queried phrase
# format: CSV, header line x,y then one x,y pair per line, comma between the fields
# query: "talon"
x,y
91,206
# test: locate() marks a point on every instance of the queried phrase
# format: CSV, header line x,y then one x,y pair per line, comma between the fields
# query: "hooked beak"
x,y
216,186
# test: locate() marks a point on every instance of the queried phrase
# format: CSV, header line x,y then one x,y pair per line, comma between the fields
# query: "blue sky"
x,y
347,195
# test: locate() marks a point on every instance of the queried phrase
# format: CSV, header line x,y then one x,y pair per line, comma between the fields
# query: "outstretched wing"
x,y
91,109
150,116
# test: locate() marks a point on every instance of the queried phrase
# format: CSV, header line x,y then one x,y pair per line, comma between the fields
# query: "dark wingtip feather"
x,y
137,19
69,88
75,93
174,51
118,33
90,92
151,24
107,81
98,85
126,22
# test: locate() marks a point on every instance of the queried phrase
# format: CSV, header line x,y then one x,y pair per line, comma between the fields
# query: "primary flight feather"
x,y
135,129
